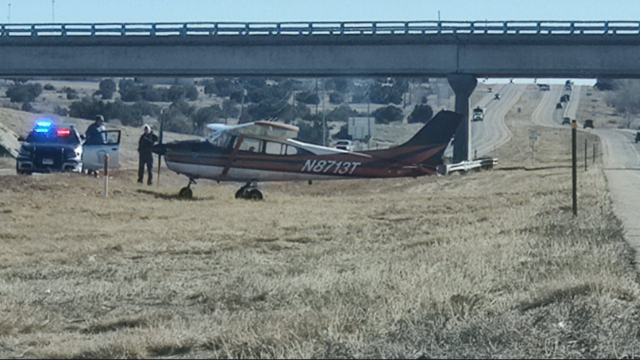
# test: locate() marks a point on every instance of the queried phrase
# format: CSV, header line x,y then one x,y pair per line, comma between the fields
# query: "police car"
x,y
54,148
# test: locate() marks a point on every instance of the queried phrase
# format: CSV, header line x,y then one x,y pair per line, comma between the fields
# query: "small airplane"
x,y
267,151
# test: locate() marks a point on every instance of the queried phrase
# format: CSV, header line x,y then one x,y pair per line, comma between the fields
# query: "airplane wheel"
x,y
185,193
253,194
240,193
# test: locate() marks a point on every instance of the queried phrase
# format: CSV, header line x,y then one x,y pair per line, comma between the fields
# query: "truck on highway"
x,y
478,114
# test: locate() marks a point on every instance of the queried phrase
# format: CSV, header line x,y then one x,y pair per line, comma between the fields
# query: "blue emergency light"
x,y
43,126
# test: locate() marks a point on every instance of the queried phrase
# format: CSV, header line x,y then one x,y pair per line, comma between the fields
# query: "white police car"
x,y
53,148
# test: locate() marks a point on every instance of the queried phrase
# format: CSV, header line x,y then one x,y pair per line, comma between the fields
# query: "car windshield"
x,y
60,137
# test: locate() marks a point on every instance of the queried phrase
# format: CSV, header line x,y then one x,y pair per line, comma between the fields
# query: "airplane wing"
x,y
268,130
223,127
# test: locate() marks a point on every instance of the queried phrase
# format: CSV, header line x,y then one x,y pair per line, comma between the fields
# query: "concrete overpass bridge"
x,y
460,51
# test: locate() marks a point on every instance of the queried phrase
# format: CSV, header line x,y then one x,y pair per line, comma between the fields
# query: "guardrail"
x,y
325,28
484,163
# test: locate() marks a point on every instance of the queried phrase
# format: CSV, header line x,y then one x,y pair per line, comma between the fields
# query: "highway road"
x,y
621,157
492,132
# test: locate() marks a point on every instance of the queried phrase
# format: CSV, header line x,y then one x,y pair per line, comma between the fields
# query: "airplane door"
x,y
93,154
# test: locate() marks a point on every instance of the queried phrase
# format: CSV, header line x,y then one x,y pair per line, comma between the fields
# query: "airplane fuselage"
x,y
199,159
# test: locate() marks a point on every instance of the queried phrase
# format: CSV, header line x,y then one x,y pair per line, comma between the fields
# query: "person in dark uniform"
x,y
94,132
94,136
145,143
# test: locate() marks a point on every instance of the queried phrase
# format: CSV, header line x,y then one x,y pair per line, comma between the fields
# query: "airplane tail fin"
x,y
437,131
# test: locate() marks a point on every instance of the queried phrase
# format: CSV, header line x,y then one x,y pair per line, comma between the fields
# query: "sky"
x,y
99,11
150,11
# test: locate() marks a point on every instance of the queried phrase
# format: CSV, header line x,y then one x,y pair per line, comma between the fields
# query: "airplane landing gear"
x,y
249,192
186,192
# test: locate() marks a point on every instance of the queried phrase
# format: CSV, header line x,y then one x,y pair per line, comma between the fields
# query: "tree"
x,y
191,93
308,97
420,114
387,114
129,91
209,87
229,109
24,93
107,88
341,113
204,116
311,133
605,84
174,120
336,98
176,93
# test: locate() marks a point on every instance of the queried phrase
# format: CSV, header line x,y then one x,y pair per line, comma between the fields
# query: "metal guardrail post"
x,y
574,166
106,175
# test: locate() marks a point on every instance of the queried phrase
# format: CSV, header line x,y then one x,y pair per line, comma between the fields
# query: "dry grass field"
x,y
483,265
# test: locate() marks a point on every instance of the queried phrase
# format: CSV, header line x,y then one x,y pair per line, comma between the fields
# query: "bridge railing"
x,y
354,28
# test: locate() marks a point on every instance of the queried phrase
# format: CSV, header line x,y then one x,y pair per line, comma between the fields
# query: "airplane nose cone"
x,y
159,149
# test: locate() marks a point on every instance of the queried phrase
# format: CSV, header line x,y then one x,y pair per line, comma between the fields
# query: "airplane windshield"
x,y
219,139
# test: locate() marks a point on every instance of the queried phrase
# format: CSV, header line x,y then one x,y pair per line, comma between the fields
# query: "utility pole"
x,y
53,11
9,15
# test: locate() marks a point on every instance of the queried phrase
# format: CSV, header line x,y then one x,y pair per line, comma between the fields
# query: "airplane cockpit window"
x,y
292,150
274,148
219,139
252,145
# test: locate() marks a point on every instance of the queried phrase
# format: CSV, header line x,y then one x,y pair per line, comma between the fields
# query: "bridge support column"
x,y
462,85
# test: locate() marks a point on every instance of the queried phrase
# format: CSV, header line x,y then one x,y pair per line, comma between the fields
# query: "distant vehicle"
x,y
497,97
637,137
489,90
53,148
478,114
565,98
559,106
566,121
344,145
567,87
588,124
544,87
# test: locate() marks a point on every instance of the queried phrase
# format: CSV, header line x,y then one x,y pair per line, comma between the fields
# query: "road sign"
x,y
533,135
361,128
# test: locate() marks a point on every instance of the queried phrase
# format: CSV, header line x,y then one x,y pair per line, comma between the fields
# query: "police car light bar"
x,y
64,132
43,126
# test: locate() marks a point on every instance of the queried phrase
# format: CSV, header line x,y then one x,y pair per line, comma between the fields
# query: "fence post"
x,y
106,174
585,154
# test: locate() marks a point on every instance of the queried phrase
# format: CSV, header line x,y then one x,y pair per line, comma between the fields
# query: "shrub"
x,y
24,93
420,114
107,88
387,114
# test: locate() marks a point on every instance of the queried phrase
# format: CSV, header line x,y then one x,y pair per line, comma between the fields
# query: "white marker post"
x,y
106,174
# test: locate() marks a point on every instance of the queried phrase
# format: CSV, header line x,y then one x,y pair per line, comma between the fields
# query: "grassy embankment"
x,y
489,264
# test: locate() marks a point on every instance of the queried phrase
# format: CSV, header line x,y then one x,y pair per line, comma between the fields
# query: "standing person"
x,y
94,136
145,143
94,132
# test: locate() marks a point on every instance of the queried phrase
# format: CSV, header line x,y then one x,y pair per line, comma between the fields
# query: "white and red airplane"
x,y
267,151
